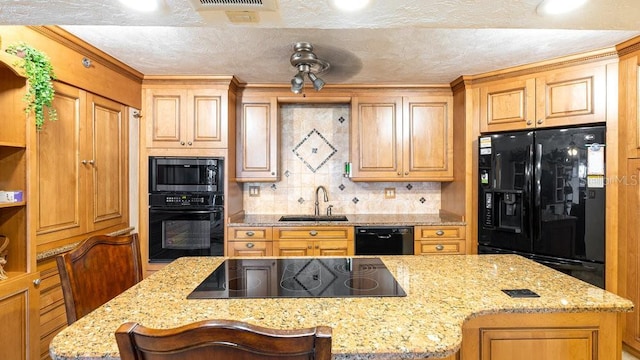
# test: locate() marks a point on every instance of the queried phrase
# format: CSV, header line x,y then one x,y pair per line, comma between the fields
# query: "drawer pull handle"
x,y
313,233
439,232
250,245
250,233
309,247
439,247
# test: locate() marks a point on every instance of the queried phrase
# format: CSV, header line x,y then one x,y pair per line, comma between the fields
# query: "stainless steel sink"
x,y
313,218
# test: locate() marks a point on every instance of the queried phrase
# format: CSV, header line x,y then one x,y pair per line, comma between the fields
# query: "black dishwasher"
x,y
384,240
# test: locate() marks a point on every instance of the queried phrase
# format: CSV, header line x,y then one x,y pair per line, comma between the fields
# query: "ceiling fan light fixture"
x,y
306,62
557,7
318,83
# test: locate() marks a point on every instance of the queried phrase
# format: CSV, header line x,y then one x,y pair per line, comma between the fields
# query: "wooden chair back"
x,y
97,270
222,339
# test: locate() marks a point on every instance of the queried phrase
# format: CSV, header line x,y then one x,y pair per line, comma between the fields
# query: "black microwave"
x,y
185,174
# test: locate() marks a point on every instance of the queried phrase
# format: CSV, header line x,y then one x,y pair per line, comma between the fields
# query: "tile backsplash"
x,y
314,146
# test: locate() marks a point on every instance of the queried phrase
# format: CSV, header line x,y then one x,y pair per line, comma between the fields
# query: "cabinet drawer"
x,y
250,233
313,233
249,248
439,232
439,247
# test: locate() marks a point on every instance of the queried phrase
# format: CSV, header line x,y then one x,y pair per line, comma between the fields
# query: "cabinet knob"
x,y
309,247
90,162
399,173
317,246
540,121
37,282
313,233
439,247
273,173
406,173
439,232
250,233
529,122
181,142
190,143
250,245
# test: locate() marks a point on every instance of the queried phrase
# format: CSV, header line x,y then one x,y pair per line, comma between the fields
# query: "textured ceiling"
x,y
393,41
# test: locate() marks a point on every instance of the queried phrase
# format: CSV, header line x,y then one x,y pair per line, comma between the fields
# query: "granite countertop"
x,y
353,220
442,291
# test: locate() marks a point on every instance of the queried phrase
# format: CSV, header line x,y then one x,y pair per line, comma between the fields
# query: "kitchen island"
x,y
454,307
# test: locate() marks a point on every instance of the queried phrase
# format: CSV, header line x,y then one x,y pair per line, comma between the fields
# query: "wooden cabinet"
x,y
397,138
579,336
186,117
249,241
439,240
52,311
632,254
313,241
257,140
18,293
82,166
570,96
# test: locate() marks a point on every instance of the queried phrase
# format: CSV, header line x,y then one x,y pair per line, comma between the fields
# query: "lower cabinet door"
x,y
19,318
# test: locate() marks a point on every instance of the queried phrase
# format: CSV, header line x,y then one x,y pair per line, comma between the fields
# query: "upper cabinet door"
x,y
257,140
106,161
166,110
60,196
571,97
376,138
507,105
428,138
204,125
563,97
186,118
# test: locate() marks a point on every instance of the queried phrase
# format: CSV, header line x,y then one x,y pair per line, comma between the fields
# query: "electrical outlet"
x,y
389,193
254,191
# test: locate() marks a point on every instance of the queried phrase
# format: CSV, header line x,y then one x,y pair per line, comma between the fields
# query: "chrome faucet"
x,y
316,211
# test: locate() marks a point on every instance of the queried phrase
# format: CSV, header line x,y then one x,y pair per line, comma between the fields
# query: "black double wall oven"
x,y
186,213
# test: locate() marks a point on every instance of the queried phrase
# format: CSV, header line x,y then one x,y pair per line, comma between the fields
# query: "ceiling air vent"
x,y
235,5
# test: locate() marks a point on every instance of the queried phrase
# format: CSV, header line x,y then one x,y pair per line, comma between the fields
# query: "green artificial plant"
x,y
37,66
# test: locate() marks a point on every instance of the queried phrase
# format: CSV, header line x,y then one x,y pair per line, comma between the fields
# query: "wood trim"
x,y
542,66
74,43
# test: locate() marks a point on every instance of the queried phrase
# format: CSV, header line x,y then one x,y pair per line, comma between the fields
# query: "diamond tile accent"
x,y
301,200
273,186
409,186
355,200
423,200
341,187
287,173
314,150
341,119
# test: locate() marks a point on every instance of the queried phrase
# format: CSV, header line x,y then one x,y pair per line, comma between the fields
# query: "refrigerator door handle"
x,y
537,174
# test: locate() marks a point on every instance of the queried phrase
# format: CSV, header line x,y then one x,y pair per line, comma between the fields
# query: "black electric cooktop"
x,y
299,278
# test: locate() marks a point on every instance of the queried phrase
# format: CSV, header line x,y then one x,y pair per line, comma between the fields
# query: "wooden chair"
x,y
222,339
97,270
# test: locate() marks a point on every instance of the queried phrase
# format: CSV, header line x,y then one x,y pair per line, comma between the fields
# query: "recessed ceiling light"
x,y
350,5
141,5
555,7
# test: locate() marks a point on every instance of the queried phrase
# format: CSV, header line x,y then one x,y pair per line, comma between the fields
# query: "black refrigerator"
x,y
542,195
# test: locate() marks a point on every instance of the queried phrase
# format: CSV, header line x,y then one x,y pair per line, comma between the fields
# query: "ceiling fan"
x,y
307,63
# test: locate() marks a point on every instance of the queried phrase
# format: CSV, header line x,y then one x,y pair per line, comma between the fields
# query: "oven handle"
x,y
185,211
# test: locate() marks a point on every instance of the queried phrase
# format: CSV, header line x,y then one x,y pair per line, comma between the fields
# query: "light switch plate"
x,y
254,191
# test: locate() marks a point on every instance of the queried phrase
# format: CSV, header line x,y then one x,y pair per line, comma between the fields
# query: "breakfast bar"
x,y
454,308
